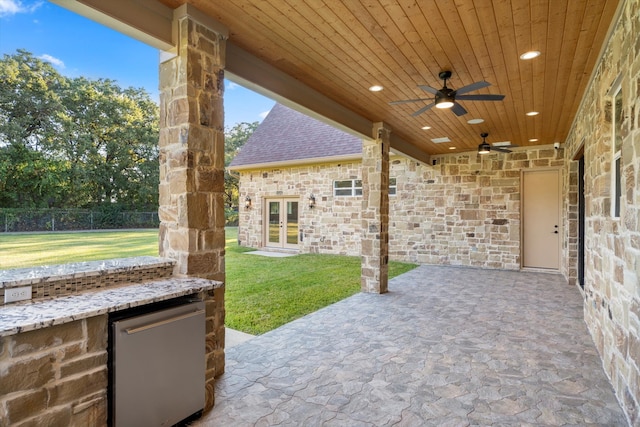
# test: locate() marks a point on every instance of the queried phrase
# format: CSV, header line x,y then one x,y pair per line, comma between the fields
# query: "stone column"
x,y
192,167
375,211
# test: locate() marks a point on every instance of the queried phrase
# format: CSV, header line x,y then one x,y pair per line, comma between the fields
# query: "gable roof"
x,y
287,137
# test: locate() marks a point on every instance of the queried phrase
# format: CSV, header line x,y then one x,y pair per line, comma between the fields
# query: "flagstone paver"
x,y
446,346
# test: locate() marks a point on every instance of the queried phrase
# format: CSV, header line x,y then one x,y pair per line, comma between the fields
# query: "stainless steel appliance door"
x,y
159,366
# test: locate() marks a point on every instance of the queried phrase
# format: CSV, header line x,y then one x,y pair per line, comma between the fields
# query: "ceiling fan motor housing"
x,y
445,95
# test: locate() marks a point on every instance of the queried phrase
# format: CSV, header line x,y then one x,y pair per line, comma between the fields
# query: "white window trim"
x,y
394,186
353,188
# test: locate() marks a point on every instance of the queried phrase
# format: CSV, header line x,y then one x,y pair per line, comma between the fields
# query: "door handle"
x,y
131,331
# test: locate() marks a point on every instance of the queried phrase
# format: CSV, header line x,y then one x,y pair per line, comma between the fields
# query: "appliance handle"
x,y
131,331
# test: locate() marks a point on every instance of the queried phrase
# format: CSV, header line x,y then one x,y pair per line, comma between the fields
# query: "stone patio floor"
x,y
447,346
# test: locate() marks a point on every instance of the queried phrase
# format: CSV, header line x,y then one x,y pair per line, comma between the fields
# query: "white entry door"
x,y
541,219
282,223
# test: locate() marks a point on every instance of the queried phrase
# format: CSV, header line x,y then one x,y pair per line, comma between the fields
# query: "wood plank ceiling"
x,y
341,48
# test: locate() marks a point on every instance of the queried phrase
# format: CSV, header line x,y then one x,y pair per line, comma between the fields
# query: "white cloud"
x,y
263,114
12,7
55,61
230,85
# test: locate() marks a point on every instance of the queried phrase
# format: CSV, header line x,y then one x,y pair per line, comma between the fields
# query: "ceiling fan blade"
x,y
500,149
406,101
481,97
472,87
458,109
429,89
423,109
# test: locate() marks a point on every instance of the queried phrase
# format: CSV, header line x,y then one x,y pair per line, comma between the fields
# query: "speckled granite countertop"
x,y
31,315
31,275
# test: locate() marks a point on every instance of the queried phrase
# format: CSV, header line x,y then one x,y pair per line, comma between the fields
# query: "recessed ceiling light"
x,y
376,88
452,148
532,113
475,121
426,127
530,55
533,140
440,140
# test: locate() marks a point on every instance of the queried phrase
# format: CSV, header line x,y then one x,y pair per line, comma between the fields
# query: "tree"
x,y
28,178
29,100
30,106
74,142
111,141
234,139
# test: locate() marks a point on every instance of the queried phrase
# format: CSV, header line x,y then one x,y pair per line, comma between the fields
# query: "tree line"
x,y
74,142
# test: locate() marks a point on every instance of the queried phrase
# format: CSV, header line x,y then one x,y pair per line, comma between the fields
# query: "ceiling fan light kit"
x,y
444,103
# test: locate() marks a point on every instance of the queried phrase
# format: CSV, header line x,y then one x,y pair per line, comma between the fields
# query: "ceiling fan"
x,y
447,97
485,147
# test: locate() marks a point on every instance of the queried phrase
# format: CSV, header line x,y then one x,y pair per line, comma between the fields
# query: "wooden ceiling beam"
x,y
145,20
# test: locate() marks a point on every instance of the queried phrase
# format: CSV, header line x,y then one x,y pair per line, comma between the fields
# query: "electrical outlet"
x,y
17,294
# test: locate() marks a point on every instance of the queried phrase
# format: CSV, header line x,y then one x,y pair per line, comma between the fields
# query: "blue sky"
x,y
77,46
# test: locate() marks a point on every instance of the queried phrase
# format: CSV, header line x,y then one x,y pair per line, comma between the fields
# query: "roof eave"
x,y
297,162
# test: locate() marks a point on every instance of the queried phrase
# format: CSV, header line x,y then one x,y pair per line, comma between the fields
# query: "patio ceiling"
x,y
340,48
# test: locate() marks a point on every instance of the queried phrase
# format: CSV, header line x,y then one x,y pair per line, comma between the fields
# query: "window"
x,y
349,187
353,187
392,186
618,135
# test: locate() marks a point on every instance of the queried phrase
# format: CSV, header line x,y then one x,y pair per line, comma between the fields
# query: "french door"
x,y
281,223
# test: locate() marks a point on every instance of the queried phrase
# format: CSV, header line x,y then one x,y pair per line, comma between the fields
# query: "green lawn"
x,y
30,249
261,293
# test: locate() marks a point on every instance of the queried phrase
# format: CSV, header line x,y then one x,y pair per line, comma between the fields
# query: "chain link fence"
x,y
14,220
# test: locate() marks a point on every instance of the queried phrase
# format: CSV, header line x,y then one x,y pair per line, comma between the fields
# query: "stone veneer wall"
x,y
191,189
374,212
612,252
332,227
465,210
57,376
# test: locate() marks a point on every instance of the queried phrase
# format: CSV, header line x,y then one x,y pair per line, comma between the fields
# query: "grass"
x,y
261,293
31,249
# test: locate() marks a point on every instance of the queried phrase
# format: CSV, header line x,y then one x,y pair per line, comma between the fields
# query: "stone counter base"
x,y
55,376
58,375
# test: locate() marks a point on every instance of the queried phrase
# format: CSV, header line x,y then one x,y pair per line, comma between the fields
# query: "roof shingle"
x,y
286,135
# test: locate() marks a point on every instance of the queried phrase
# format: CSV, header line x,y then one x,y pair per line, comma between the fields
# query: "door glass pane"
x,y
292,223
274,222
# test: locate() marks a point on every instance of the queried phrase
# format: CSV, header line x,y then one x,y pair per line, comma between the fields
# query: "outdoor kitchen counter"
x,y
79,270
30,315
